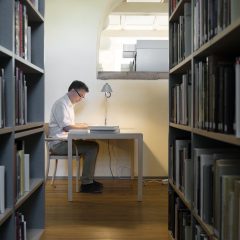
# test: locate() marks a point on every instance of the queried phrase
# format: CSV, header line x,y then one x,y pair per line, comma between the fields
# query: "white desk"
x,y
124,134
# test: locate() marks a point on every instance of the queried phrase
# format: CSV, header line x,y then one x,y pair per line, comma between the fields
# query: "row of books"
x,y
20,97
211,180
2,189
180,96
211,17
215,106
179,218
21,226
22,161
2,99
180,35
22,31
216,174
180,166
180,222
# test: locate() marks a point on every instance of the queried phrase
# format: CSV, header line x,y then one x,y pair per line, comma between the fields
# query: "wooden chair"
x,y
51,156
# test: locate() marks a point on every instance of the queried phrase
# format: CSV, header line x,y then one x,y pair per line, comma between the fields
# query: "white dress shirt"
x,y
62,115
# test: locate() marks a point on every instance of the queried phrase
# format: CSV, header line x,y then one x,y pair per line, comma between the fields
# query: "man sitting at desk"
x,y
62,119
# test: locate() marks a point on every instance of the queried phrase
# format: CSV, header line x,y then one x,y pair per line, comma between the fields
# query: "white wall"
x,y
71,47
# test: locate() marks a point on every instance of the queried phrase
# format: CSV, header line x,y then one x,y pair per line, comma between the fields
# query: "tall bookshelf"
x,y
30,132
198,81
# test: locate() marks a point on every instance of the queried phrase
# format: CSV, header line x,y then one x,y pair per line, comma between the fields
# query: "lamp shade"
x,y
106,88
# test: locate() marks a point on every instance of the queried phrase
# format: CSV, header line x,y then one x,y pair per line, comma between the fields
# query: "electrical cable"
x,y
110,158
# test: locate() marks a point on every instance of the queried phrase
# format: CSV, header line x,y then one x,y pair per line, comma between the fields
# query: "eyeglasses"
x,y
81,96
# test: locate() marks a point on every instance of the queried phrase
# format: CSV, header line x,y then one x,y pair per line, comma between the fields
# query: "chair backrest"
x,y
46,129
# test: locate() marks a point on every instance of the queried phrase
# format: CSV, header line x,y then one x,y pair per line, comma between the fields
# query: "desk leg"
x,y
133,157
139,151
69,169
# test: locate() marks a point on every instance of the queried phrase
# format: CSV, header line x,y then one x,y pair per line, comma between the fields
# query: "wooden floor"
x,y
112,215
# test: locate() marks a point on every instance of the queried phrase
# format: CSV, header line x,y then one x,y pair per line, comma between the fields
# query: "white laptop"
x,y
103,128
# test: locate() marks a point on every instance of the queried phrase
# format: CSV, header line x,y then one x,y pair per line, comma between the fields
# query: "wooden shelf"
x,y
33,14
183,66
28,132
206,227
228,38
5,130
181,195
34,185
170,236
28,126
182,127
232,139
132,75
177,11
27,66
4,52
34,234
30,137
4,216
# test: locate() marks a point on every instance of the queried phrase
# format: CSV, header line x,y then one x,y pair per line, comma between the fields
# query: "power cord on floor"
x,y
163,181
110,158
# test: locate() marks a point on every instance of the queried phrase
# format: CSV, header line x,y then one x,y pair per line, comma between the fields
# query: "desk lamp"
x,y
107,90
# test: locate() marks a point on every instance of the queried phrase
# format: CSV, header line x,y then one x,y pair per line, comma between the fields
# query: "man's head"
x,y
77,91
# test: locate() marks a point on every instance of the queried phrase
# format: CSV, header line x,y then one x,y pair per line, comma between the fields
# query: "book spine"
x,y
2,189
237,104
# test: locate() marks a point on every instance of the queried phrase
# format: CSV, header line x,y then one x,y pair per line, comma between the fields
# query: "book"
x,y
222,167
237,104
227,186
2,99
22,37
197,152
235,6
205,166
214,93
236,230
2,189
188,179
21,172
181,103
171,212
26,172
180,35
21,97
211,17
179,146
187,29
21,226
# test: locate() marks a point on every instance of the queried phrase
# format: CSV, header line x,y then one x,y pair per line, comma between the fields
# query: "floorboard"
x,y
113,215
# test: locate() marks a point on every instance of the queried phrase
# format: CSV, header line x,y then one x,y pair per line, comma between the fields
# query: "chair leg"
x,y
47,170
54,173
77,174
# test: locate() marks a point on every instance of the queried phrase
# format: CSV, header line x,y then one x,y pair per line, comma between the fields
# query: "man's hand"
x,y
82,125
76,126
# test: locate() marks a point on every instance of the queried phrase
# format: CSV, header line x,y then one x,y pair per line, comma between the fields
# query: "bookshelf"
x,y
211,122
30,133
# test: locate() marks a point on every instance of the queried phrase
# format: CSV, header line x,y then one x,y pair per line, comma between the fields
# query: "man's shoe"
x,y
97,183
90,188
